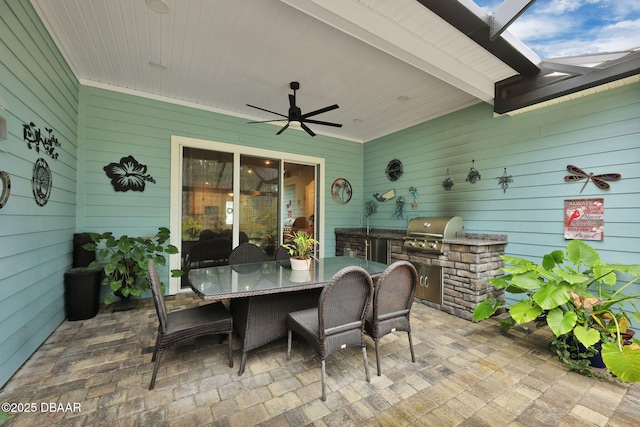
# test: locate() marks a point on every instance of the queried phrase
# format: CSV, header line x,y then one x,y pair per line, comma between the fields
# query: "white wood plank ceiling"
x,y
220,55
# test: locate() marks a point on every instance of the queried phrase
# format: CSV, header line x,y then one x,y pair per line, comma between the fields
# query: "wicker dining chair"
x,y
282,254
185,324
208,253
392,300
246,253
338,321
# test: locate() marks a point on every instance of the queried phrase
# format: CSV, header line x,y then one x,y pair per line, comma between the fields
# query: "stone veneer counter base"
x,y
467,264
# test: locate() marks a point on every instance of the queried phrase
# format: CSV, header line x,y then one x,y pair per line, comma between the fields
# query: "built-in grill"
x,y
426,234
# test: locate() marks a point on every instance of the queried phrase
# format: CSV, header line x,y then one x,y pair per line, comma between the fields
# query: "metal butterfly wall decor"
x,y
598,180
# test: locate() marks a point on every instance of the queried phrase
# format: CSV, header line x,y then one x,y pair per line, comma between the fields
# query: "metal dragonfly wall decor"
x,y
599,180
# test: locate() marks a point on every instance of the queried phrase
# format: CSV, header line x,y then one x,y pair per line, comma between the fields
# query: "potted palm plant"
x,y
584,301
301,246
126,258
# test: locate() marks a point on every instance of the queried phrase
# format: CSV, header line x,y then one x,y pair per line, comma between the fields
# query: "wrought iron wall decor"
x,y
473,176
386,196
3,128
598,180
399,212
394,170
414,193
33,137
128,175
341,191
447,184
370,207
41,182
504,180
5,188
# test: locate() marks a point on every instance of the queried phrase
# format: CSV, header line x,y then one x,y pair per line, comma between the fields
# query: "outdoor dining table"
x,y
262,294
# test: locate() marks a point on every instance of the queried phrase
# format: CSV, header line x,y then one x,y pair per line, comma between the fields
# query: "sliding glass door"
x,y
237,197
258,204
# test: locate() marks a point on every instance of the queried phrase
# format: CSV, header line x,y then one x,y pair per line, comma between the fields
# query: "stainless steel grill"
x,y
427,234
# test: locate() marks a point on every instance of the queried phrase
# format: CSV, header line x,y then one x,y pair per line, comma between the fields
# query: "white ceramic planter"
x,y
300,264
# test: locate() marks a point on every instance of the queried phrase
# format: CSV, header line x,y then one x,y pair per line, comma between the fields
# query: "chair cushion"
x,y
210,317
305,323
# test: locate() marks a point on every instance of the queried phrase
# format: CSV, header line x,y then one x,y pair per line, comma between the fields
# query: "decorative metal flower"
x,y
505,180
128,175
448,182
473,176
371,207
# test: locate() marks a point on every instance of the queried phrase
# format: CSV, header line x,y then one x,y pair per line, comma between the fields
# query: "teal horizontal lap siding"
x,y
36,85
115,125
599,133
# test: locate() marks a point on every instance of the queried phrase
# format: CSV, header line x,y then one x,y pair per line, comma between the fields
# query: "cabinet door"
x,y
429,283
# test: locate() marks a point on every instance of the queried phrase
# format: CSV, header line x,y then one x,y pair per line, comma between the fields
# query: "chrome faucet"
x,y
366,240
362,218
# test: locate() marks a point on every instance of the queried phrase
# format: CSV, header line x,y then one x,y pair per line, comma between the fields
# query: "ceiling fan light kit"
x,y
295,118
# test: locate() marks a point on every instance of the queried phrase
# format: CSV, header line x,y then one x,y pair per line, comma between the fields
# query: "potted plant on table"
x,y
577,295
126,260
301,246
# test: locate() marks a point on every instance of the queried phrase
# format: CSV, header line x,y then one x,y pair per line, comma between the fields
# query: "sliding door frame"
x,y
175,219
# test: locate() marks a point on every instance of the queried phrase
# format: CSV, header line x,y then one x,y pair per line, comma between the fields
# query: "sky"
x,y
557,28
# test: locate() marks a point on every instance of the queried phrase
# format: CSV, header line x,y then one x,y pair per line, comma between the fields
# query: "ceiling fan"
x,y
296,119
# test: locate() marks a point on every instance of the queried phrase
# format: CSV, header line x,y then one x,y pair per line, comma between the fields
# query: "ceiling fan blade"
x,y
322,110
318,122
283,128
309,131
268,111
267,121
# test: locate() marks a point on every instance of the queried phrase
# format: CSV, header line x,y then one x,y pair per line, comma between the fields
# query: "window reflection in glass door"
x,y
207,202
298,199
258,203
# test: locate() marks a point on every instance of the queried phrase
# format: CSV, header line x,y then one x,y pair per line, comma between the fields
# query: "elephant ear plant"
x,y
126,260
587,304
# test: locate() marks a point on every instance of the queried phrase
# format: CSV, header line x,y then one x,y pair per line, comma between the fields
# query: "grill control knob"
x,y
433,245
411,243
422,244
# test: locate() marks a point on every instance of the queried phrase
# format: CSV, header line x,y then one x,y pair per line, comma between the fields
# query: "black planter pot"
x,y
595,360
82,292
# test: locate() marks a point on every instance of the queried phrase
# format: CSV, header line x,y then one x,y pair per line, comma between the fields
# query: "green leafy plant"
x,y
575,294
191,228
301,245
126,260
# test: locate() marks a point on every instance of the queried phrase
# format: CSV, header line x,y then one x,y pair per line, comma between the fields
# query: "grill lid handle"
x,y
416,234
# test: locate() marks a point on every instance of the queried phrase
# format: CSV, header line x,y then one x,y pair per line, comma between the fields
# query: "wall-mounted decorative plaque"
x,y
128,175
394,170
41,182
341,191
5,188
584,219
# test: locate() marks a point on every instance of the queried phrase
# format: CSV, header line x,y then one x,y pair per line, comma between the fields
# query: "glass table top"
x,y
270,277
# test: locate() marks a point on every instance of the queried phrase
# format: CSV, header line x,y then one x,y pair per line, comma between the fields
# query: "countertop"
x,y
473,239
